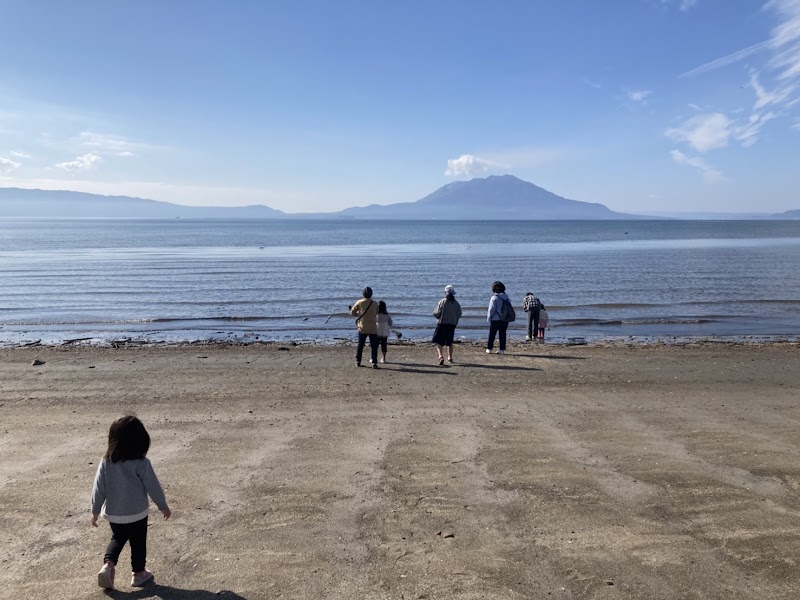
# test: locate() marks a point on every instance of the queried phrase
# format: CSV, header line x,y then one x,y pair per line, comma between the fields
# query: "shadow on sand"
x,y
424,369
498,367
166,592
549,356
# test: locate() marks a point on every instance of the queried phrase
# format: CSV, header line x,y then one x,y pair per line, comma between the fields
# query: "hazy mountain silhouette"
x,y
788,215
15,202
493,197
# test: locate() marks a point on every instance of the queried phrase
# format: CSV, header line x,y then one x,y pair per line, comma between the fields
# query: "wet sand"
x,y
589,472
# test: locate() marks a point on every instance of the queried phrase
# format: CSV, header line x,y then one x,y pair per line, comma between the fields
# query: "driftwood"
x,y
28,344
73,340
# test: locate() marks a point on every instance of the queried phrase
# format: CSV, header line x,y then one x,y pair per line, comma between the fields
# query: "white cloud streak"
x,y
638,95
703,132
468,165
785,38
19,154
747,134
730,59
108,143
708,132
683,5
709,173
765,98
81,163
772,100
7,165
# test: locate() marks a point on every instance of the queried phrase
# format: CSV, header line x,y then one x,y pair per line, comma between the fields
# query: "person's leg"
x,y
138,539
535,322
362,338
503,325
531,327
451,334
492,334
120,533
384,344
439,351
373,347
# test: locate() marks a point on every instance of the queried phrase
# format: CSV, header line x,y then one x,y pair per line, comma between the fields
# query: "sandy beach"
x,y
585,472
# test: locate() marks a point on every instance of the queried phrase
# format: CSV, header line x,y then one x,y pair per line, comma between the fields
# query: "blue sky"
x,y
643,105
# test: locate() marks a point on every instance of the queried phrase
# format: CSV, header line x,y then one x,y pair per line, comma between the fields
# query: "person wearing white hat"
x,y
447,313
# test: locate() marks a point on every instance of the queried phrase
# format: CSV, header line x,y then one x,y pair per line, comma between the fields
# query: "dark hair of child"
x,y
382,308
127,440
498,287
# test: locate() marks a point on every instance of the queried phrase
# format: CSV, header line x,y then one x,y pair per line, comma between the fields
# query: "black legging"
x,y
136,534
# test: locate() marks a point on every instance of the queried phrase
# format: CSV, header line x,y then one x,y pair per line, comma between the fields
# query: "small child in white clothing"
x,y
544,322
384,322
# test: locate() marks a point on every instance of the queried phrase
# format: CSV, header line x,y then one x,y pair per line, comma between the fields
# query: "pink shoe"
x,y
105,578
141,579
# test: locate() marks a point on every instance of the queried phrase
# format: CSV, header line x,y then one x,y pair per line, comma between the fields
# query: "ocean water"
x,y
292,280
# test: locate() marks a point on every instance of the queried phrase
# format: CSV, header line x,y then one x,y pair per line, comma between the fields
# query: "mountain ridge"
x,y
496,197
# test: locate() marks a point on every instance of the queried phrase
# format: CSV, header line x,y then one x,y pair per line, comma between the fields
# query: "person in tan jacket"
x,y
366,311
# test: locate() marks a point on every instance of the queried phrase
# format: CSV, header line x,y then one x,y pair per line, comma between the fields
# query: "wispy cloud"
x,y
82,163
468,165
748,132
638,95
7,165
708,132
19,154
729,59
681,5
785,38
703,132
592,83
710,174
773,99
109,143
766,98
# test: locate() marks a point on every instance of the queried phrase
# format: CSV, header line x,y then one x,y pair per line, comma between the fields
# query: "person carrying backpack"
x,y
532,305
500,314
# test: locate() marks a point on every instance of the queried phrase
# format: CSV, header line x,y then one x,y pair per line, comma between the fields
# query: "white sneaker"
x,y
105,578
488,351
527,338
141,579
500,352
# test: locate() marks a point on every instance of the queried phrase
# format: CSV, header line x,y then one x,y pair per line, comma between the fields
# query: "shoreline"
x,y
633,341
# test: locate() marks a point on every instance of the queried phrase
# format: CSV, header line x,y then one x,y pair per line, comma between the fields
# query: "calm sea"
x,y
178,280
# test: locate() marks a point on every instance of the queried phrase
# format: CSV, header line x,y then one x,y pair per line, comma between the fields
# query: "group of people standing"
x,y
374,322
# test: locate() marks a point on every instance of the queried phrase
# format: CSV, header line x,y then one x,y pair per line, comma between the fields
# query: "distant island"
x,y
497,197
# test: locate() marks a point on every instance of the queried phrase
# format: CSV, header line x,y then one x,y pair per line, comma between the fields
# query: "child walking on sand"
x,y
544,322
384,322
123,482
